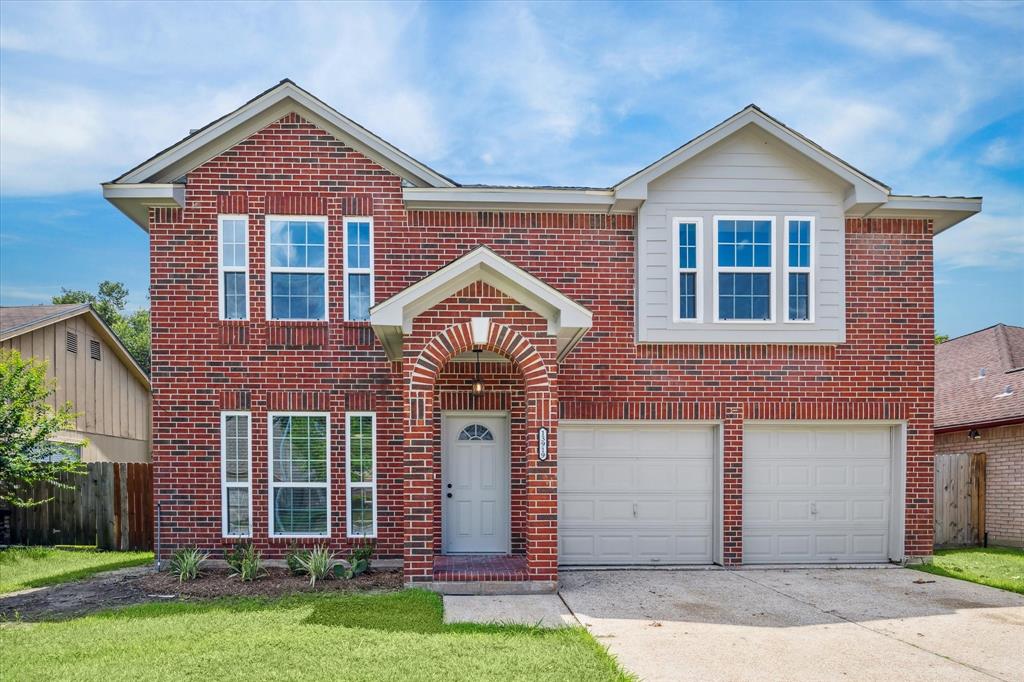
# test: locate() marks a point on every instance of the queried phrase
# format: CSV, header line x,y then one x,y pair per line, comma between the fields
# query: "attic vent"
x,y
1008,391
71,342
981,373
94,349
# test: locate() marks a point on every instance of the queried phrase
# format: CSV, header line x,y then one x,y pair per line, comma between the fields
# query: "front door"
x,y
475,484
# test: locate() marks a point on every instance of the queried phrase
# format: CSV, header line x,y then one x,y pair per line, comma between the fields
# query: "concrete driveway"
x,y
819,624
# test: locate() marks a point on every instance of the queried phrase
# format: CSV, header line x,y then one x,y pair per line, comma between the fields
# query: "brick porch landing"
x,y
469,574
480,567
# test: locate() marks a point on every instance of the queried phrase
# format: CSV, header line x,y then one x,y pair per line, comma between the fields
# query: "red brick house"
x,y
725,358
979,408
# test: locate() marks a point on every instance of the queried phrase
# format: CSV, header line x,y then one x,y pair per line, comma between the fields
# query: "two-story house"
x,y
725,358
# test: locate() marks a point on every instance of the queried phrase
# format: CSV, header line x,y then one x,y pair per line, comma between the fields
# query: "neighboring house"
x,y
93,371
979,407
725,358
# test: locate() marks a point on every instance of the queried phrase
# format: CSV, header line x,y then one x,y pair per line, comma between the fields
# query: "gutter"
x,y
1007,421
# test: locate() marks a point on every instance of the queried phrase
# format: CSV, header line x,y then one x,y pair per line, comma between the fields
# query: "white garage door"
x,y
816,494
635,493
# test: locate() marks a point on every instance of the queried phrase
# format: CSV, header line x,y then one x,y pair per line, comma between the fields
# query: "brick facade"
x,y
1004,477
200,366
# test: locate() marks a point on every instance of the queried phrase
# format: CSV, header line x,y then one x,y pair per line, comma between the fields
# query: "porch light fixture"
x,y
974,434
478,382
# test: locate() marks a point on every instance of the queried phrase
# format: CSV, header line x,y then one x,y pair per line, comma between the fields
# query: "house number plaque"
x,y
542,443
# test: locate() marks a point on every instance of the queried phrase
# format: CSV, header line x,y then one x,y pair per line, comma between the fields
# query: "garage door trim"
x,y
717,507
898,468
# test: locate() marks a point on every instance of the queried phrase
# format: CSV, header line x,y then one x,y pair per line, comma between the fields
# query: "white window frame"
x,y
696,271
221,268
790,269
349,484
770,270
272,486
347,270
296,271
225,485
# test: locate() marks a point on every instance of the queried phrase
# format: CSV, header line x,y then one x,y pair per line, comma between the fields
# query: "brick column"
x,y
732,485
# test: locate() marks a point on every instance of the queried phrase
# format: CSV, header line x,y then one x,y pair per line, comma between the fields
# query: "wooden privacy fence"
x,y
959,499
111,506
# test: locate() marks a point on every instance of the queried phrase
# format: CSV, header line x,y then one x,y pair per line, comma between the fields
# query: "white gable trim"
x,y
172,163
866,192
393,318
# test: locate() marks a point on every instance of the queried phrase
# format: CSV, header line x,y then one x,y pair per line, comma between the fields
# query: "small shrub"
x,y
187,563
233,557
245,562
294,559
358,562
318,563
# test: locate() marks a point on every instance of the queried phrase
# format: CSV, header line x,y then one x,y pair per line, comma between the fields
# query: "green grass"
x,y
396,636
1000,567
23,567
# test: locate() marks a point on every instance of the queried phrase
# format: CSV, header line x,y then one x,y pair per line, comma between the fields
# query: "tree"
x,y
941,338
27,422
109,303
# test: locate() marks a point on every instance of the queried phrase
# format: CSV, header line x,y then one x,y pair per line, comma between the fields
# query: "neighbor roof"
x,y
964,395
20,320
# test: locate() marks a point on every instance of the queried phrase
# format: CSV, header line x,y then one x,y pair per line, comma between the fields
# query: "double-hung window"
x,y
361,474
358,268
297,267
686,240
233,264
236,473
744,260
800,269
299,478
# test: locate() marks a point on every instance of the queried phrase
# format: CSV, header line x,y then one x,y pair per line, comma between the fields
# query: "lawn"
x,y
22,567
395,636
1000,567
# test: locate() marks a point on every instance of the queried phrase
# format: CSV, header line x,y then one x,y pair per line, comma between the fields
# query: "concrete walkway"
x,y
546,610
818,624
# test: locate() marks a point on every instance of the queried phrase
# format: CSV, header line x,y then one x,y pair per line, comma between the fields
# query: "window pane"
x,y
360,449
727,255
235,296
744,296
299,449
238,511
800,243
300,511
358,245
361,510
687,245
727,232
358,297
297,296
236,448
315,233
687,296
233,238
799,296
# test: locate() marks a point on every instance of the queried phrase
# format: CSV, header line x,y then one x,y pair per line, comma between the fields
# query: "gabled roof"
x,y
20,320
157,182
393,318
866,189
972,373
285,97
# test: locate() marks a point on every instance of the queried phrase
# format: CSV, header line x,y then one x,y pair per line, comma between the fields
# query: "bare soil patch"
x,y
126,587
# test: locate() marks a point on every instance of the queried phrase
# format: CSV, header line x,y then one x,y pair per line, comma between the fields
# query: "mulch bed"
x,y
219,582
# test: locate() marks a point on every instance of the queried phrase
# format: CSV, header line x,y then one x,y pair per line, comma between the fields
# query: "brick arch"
x,y
501,339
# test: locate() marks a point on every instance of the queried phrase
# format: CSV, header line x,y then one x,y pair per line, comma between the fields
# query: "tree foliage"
x,y
109,303
941,338
27,423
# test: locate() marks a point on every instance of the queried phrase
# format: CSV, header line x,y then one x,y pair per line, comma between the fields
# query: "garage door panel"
x,y
636,494
816,494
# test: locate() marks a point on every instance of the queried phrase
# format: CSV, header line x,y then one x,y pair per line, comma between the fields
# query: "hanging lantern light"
x,y
478,382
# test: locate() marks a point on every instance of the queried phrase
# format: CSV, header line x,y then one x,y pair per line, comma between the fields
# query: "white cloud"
x,y
1003,153
986,241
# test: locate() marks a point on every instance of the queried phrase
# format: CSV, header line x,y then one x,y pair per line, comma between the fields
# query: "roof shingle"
x,y
964,395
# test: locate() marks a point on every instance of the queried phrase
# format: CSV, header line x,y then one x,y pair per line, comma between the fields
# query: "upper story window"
x,y
297,268
744,268
233,266
799,269
358,268
686,257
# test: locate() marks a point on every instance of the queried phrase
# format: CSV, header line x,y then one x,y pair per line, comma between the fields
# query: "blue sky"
x,y
928,97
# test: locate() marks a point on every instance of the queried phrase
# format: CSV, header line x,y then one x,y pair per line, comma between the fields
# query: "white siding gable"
x,y
749,173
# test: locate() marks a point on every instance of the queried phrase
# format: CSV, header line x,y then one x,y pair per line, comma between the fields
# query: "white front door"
x,y
475,484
